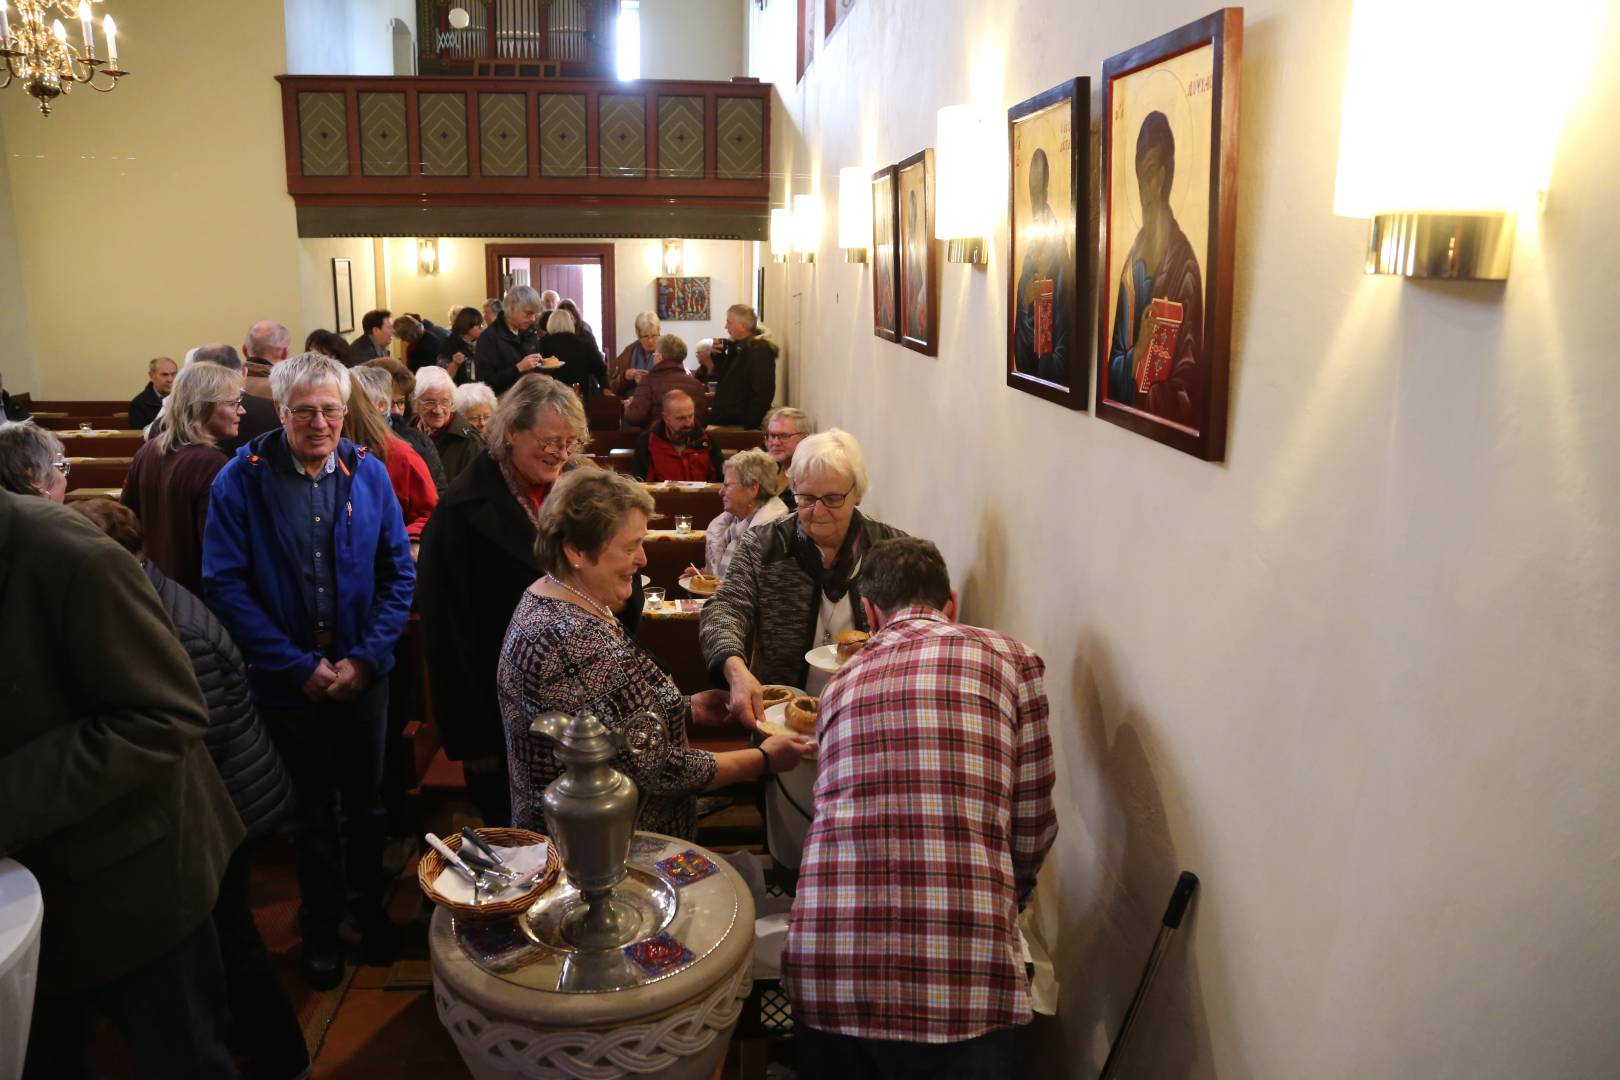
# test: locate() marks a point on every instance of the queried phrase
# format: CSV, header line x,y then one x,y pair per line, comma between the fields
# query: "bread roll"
x,y
801,715
850,642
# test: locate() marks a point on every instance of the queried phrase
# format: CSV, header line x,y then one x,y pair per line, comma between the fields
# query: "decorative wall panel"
x,y
739,138
680,138
443,122
503,134
382,135
562,135
323,134
621,126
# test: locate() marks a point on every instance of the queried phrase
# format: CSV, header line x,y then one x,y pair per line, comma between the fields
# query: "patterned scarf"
x,y
833,581
529,496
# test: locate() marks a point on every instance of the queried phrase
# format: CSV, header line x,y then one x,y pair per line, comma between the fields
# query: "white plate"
x,y
686,583
825,658
688,485
775,724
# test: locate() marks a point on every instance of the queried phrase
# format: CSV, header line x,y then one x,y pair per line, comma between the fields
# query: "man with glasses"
x,y
306,562
785,428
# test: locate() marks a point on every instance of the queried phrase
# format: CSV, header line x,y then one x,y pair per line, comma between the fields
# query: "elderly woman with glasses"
x,y
746,500
31,461
434,400
638,357
477,558
169,482
567,651
794,584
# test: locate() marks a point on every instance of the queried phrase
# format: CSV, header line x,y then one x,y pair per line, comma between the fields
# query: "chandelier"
x,y
38,54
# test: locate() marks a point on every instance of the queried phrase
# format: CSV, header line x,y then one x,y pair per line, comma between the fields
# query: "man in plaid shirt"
x,y
933,814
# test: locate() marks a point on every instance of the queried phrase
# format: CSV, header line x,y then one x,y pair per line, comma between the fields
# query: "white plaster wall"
x,y
318,310
1362,677
17,367
343,37
635,262
692,39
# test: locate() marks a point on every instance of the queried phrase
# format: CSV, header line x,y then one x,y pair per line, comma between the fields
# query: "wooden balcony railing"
x,y
354,141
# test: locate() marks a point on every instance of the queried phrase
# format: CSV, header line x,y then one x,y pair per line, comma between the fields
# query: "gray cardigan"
x,y
767,594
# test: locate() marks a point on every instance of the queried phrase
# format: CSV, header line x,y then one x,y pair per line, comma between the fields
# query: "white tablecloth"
x,y
22,911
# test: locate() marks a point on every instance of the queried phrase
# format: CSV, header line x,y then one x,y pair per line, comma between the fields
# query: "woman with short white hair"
x,y
638,357
475,403
570,355
794,584
459,444
751,478
169,481
31,461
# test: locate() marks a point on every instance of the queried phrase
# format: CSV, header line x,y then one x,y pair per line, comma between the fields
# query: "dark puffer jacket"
x,y
236,740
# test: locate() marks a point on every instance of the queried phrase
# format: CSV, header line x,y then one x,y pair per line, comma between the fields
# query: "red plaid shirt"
x,y
933,813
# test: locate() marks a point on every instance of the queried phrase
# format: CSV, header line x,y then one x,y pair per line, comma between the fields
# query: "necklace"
x,y
590,601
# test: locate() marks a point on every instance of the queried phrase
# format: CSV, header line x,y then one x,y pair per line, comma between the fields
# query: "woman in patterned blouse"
x,y
565,651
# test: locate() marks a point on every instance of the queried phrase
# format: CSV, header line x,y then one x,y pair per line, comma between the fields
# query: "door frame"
x,y
600,253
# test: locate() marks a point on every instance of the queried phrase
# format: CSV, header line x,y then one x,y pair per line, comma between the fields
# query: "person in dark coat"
x,y
434,402
668,373
459,350
376,334
746,369
264,1025
402,419
477,557
111,801
421,346
569,356
510,348
145,406
10,408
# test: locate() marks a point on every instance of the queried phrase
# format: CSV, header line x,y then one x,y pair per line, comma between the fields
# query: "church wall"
x,y
692,39
1362,676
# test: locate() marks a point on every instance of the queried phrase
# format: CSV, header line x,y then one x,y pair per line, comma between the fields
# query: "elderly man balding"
x,y
676,447
266,345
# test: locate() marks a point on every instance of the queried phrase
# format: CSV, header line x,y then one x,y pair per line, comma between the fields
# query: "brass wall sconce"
x,y
674,257
427,256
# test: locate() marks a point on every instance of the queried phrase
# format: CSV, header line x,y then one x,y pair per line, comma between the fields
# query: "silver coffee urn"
x,y
635,964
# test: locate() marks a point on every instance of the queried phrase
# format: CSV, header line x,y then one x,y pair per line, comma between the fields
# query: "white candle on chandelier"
x,y
109,30
84,27
58,31
5,24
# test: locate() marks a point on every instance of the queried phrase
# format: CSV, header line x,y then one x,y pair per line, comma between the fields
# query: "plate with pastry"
x,y
796,716
700,584
830,658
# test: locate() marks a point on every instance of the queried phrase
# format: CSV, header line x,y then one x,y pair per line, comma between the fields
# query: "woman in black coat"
x,y
571,357
477,557
264,1025
458,352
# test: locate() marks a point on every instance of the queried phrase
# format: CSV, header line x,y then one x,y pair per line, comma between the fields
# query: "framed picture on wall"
x,y
1169,215
885,266
1048,327
683,299
919,254
343,296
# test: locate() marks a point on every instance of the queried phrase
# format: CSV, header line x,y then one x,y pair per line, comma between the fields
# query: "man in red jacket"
x,y
676,447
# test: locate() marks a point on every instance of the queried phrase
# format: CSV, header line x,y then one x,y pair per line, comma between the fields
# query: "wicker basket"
x,y
432,864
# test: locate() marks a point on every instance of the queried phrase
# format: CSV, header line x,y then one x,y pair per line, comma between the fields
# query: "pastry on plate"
x,y
776,695
850,642
801,715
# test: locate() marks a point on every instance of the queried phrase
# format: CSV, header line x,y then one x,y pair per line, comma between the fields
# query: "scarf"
x,y
529,496
833,581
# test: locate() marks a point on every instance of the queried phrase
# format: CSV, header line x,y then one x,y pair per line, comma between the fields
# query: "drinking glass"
x,y
683,524
655,598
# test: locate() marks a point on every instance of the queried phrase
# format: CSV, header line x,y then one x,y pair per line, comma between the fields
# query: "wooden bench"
x,y
97,472
124,443
71,421
702,506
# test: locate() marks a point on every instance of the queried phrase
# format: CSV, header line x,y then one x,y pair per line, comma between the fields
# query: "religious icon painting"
x,y
658,955
1169,216
1049,328
919,253
885,249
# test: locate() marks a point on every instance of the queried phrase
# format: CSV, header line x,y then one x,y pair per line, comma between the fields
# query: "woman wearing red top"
x,y
369,397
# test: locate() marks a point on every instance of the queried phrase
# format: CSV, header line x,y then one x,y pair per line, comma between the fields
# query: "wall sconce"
x,y
1435,147
427,256
855,212
970,153
806,227
674,257
781,234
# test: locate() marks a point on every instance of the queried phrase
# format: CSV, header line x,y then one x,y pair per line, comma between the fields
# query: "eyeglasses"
x,y
237,401
427,405
62,465
567,444
780,436
831,501
305,414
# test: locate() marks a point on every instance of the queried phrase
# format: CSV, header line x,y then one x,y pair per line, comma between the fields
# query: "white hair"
x,y
553,296
801,421
647,323
473,393
304,370
560,322
433,378
27,456
755,466
377,385
521,298
833,451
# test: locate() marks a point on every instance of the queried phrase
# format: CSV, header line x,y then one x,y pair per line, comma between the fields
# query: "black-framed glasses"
x,y
305,414
832,500
62,465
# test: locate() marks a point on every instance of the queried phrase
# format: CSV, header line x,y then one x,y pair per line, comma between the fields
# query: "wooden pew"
x,y
703,506
97,472
123,443
667,560
71,421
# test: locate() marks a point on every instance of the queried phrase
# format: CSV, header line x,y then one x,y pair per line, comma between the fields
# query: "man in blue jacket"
x,y
306,562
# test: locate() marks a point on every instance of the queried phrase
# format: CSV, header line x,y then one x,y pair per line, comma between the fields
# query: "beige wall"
x,y
318,309
154,218
692,39
351,37
17,366
1362,677
636,263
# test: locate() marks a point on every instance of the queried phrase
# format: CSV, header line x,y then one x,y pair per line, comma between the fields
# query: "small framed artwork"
x,y
919,253
1169,216
343,296
1049,177
885,248
683,299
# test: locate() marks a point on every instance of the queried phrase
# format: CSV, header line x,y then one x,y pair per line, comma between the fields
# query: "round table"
x,y
22,912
